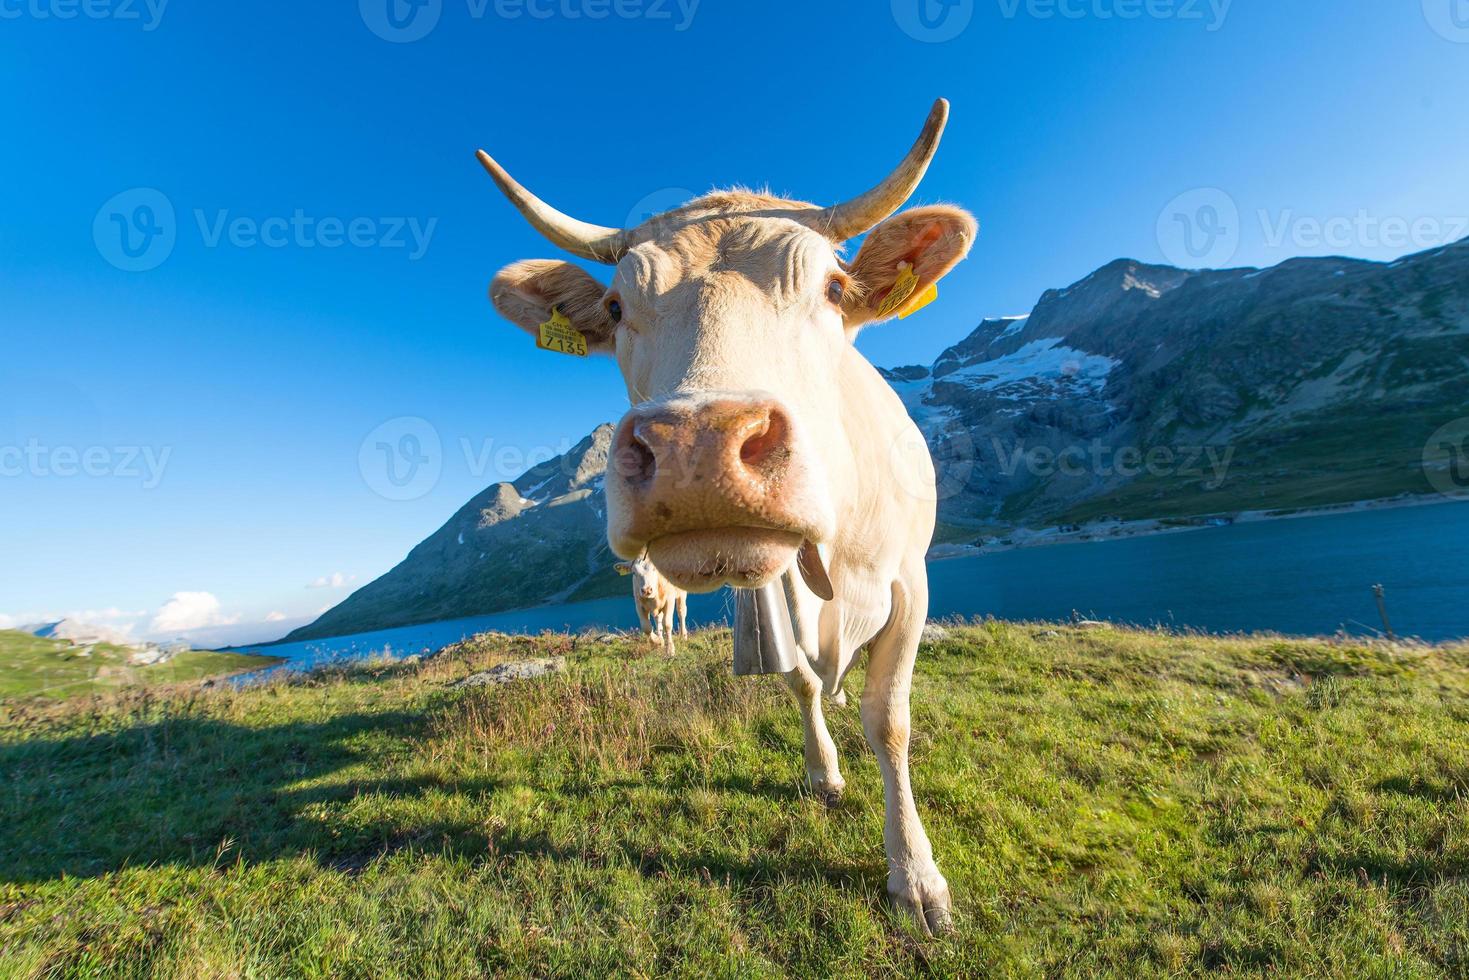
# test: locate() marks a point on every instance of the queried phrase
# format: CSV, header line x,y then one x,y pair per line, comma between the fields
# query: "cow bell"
x,y
764,639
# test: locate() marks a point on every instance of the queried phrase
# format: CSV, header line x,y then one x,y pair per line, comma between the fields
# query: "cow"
x,y
657,599
759,445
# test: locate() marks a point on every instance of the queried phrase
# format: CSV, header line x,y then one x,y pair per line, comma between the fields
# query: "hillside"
x,y
1103,803
1168,393
53,666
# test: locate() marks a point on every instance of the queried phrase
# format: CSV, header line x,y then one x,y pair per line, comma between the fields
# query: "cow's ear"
x,y
526,292
623,567
903,258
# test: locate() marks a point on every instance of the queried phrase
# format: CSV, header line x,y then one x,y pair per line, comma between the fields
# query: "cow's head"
x,y
732,320
644,576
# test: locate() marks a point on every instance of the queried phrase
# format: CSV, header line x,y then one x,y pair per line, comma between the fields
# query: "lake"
x,y
1307,575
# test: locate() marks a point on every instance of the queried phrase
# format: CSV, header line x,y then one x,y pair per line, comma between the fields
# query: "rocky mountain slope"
x,y
1140,391
1150,391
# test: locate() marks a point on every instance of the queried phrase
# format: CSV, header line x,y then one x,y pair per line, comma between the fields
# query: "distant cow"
x,y
761,447
657,600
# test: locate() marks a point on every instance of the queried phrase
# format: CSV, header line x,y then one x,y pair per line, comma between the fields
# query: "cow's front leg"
x,y
683,615
914,881
665,625
821,752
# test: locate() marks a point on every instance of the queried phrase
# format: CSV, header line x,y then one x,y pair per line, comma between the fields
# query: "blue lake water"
x,y
1309,575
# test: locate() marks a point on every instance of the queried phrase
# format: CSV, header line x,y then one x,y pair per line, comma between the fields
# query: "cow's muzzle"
x,y
717,487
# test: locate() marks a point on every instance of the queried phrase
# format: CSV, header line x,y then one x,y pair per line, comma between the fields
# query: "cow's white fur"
x,y
727,294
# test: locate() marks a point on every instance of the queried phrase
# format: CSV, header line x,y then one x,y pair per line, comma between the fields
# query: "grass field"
x,y
1103,803
34,666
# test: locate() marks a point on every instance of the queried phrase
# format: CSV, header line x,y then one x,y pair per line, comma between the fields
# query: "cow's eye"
x,y
614,310
835,290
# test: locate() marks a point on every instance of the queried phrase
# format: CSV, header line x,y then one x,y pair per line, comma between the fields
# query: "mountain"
x,y
1149,391
78,633
542,538
1142,391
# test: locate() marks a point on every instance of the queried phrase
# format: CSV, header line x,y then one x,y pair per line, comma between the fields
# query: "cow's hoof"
x,y
829,793
925,897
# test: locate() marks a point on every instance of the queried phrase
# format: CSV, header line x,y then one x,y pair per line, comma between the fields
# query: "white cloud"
x,y
335,580
111,612
25,619
274,617
190,611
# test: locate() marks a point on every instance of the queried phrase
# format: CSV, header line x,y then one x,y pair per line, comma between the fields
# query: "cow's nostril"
x,y
635,461
765,441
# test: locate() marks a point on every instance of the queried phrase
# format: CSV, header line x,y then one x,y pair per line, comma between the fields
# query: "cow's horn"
x,y
577,237
851,218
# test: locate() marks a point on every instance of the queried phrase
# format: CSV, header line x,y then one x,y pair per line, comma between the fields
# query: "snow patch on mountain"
x,y
1041,362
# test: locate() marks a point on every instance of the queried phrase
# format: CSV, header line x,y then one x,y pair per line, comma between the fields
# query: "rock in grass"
x,y
934,633
515,670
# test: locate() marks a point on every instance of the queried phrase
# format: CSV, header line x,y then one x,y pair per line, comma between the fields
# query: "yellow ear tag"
x,y
559,335
900,292
924,298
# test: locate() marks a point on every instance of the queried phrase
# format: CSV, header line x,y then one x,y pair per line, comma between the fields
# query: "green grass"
x,y
1103,803
33,666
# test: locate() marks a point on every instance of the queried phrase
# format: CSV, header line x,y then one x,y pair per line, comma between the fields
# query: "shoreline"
x,y
1099,531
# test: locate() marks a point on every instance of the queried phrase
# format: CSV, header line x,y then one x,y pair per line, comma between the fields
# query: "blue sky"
x,y
182,446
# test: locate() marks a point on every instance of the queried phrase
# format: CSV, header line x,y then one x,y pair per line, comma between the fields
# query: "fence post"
x,y
1380,594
